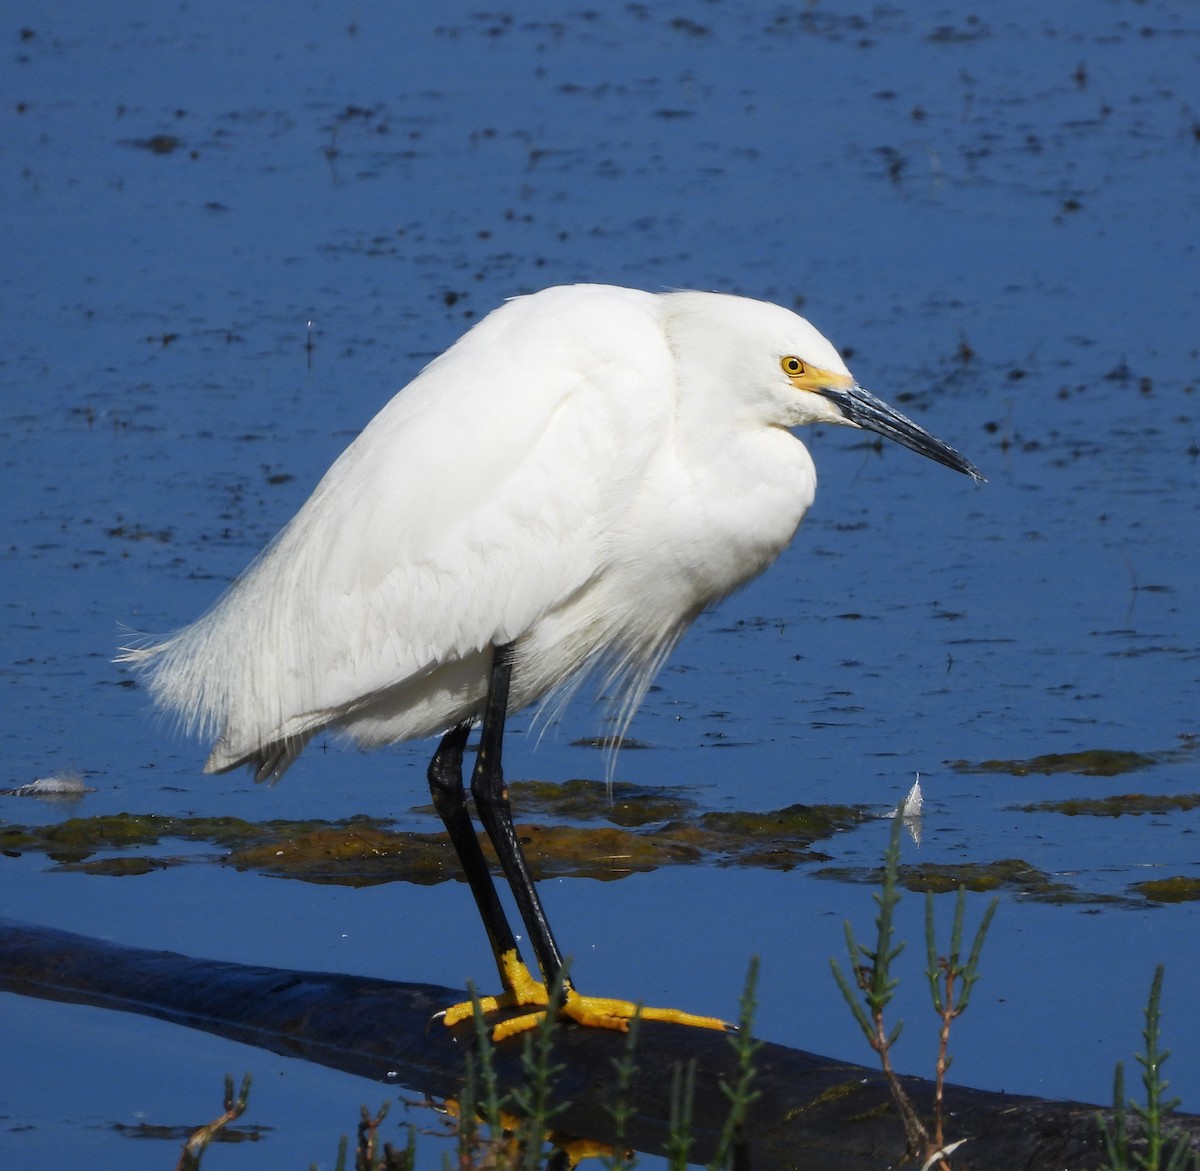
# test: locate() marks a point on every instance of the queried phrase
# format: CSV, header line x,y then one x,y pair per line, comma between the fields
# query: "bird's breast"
x,y
727,517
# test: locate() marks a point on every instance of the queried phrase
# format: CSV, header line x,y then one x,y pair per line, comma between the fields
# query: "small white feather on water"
x,y
910,811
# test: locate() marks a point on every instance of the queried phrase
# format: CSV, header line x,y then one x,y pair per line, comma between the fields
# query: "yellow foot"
x,y
594,1012
521,989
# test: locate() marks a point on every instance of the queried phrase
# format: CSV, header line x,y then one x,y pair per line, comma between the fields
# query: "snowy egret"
x,y
562,491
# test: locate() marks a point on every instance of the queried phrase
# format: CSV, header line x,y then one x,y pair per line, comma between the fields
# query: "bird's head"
x,y
832,396
788,374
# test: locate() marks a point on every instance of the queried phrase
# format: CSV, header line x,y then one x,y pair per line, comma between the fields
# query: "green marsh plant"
x,y
1167,1149
950,976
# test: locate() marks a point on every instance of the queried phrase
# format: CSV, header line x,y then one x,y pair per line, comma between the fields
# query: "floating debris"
x,y
159,144
56,787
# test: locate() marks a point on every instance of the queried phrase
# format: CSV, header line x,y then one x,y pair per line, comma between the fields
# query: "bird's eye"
x,y
792,366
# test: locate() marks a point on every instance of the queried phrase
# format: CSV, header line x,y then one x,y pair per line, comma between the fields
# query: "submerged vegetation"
x,y
1094,762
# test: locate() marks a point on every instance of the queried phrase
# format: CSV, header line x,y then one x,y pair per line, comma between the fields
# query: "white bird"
x,y
562,491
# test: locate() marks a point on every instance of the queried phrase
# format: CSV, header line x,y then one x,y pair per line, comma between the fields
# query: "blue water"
x,y
914,179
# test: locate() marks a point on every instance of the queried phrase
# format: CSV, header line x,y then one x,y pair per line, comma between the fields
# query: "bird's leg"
x,y
495,814
446,787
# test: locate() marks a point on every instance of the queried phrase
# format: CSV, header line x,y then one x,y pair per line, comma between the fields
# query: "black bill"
x,y
862,408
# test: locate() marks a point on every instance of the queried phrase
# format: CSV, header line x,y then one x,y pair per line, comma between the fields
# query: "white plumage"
x,y
580,475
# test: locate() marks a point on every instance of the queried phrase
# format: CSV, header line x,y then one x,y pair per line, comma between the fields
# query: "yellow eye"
x,y
792,366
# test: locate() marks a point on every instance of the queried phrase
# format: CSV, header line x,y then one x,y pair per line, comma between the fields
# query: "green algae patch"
x,y
777,839
621,803
1094,762
1006,874
1118,805
588,835
1169,890
601,852
117,831
74,841
80,837
122,867
611,743
329,843
354,854
797,825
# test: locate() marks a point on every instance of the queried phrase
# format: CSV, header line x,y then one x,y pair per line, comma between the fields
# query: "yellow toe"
x,y
602,1012
520,990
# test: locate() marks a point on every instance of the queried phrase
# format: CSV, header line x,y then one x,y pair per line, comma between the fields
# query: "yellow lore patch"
x,y
805,376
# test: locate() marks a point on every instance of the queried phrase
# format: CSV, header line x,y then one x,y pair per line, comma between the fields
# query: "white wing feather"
x,y
474,505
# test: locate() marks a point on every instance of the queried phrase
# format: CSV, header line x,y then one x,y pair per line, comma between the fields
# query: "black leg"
x,y
521,989
495,814
446,786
